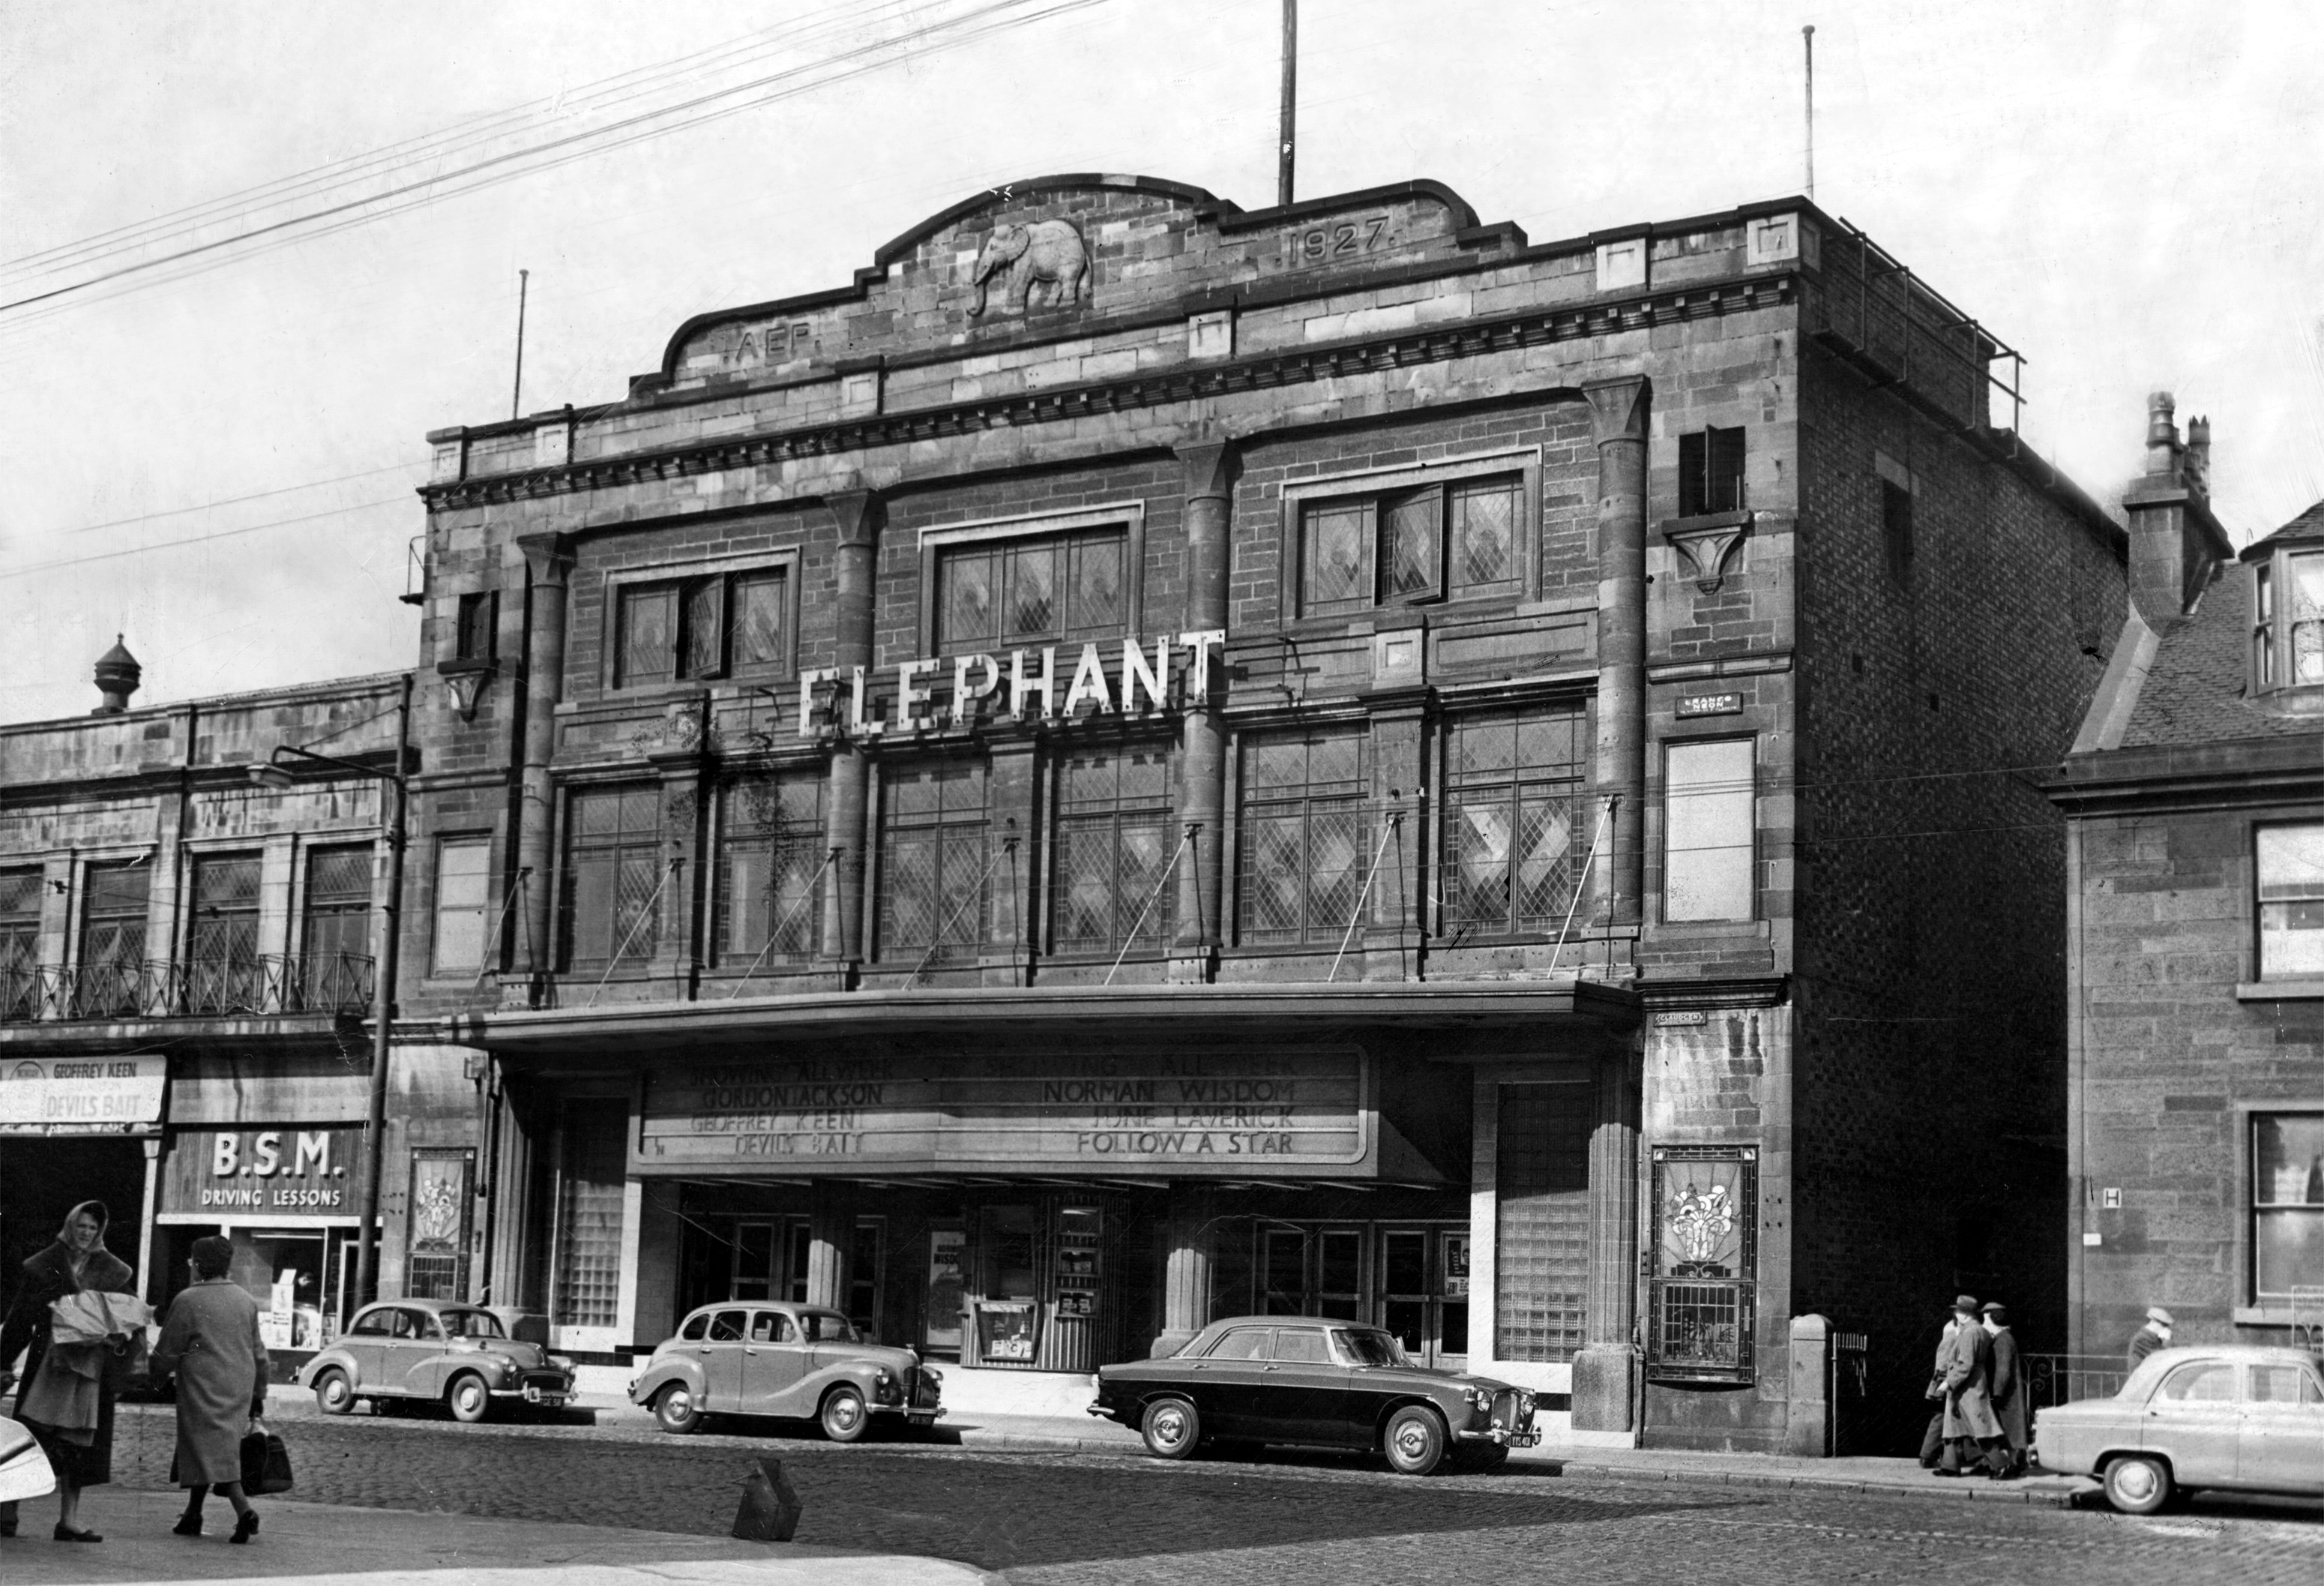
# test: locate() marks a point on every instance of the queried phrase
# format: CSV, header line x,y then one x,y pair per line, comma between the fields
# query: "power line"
x,y
237,500
18,573
693,112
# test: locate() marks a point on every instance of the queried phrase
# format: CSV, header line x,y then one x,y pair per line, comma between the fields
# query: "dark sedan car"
x,y
1286,1380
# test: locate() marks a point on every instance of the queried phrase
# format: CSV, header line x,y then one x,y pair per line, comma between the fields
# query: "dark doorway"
x,y
45,1176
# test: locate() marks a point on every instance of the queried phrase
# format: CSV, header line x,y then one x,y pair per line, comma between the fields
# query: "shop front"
x,y
290,1199
73,1128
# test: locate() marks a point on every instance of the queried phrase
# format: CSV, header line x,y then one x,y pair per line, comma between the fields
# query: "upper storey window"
x,y
993,594
2288,620
1458,540
722,625
1710,472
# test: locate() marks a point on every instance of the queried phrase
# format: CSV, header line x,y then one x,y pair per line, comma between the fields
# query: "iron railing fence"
x,y
154,988
2062,1379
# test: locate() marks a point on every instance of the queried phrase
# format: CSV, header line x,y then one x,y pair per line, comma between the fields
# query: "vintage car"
x,y
2226,1416
766,1358
457,1354
1288,1379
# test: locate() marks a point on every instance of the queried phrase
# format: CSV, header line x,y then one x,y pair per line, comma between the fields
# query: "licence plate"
x,y
534,1395
922,1418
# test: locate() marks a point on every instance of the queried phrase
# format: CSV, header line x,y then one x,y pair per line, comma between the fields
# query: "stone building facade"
x,y
2195,797
1143,761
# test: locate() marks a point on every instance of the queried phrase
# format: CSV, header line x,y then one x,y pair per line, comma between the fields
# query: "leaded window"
x,y
109,969
2287,1205
614,872
20,943
771,868
1459,540
223,973
336,934
729,625
1516,824
1704,1263
935,863
1115,839
991,594
1304,835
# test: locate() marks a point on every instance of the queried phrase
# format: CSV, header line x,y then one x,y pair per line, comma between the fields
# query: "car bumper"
x,y
548,1395
1500,1436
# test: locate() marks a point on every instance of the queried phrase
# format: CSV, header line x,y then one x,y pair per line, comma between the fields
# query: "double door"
x,y
1411,1279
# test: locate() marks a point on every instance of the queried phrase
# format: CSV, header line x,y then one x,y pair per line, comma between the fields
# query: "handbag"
x,y
265,1462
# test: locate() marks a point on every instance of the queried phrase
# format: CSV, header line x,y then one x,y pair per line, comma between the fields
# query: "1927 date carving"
x,y
1334,240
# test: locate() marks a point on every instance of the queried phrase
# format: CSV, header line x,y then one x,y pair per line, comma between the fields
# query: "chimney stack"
x,y
118,674
2175,542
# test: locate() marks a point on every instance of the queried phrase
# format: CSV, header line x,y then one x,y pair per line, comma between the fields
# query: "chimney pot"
x,y
118,676
2162,437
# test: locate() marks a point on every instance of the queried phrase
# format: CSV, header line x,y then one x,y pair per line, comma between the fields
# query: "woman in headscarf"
x,y
212,1345
82,1455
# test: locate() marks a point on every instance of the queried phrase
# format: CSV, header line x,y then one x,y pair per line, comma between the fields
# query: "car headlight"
x,y
562,1362
883,1376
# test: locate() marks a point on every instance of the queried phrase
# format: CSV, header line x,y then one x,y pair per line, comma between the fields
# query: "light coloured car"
x,y
457,1354
766,1358
2230,1417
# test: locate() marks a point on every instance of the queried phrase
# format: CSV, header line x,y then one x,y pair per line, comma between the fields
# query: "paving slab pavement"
x,y
329,1543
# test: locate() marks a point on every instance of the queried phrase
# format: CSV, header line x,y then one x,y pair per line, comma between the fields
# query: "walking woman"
x,y
69,1409
211,1344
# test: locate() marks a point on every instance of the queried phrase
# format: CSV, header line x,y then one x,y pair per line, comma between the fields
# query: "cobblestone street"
x,y
1071,1518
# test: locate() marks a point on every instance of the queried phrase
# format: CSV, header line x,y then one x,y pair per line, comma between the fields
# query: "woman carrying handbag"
x,y
211,1345
66,1400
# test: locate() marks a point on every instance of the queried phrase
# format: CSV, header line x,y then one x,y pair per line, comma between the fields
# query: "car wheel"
x,y
1479,1459
1414,1441
334,1394
1171,1428
468,1398
677,1409
844,1419
2138,1485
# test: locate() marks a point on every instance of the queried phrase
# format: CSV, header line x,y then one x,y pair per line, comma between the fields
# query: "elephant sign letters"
x,y
1047,253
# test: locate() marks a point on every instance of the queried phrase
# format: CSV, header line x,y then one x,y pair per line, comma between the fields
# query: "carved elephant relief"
x,y
1049,254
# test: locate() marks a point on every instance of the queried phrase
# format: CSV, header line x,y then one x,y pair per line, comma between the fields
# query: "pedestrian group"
x,y
82,1333
1981,1381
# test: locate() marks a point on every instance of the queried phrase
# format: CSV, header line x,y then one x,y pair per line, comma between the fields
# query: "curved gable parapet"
x,y
1058,257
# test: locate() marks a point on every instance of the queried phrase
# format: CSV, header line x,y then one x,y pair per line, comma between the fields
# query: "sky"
x,y
215,455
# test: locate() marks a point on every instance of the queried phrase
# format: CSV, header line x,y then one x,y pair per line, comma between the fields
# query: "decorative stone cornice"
x,y
1328,361
1707,544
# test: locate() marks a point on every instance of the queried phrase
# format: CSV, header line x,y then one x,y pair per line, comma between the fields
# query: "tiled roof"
x,y
2195,692
2308,525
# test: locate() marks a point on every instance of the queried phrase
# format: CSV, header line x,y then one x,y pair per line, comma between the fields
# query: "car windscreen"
x,y
471,1324
1365,1347
827,1327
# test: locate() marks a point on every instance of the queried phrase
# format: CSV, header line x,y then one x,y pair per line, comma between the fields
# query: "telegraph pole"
x,y
516,397
1287,122
1807,39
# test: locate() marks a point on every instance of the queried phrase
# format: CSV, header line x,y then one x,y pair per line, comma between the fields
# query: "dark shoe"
x,y
187,1526
1945,1472
245,1527
66,1534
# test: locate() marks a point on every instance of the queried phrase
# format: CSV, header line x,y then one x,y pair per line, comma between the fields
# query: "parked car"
x,y
1279,1379
2228,1416
442,1349
757,1357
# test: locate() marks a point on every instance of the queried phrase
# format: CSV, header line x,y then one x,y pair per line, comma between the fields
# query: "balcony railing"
x,y
273,983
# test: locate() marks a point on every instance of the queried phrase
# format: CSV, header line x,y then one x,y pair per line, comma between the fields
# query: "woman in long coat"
x,y
78,1260
211,1344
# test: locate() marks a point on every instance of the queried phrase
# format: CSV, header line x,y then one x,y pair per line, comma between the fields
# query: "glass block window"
x,y
1710,832
2287,1205
613,871
770,869
936,884
594,1154
1115,839
222,969
991,594
463,900
1304,835
1704,1264
1540,1242
729,625
2290,868
20,943
1457,540
1516,826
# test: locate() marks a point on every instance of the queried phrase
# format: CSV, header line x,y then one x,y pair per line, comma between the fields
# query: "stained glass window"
x,y
998,594
1705,1254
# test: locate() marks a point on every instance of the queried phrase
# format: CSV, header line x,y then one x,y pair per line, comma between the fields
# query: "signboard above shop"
x,y
110,1095
1231,1113
287,1176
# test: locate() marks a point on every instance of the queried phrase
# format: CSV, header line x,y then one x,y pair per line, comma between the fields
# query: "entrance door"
x,y
1404,1307
1284,1255
752,1274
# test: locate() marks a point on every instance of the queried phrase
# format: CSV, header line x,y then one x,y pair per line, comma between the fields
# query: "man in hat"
x,y
2008,1390
1969,1425
2155,1335
1934,1450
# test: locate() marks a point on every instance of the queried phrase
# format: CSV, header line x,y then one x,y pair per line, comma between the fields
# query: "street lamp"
x,y
274,775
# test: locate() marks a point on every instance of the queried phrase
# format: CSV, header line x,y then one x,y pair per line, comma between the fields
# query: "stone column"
x,y
1186,1273
1619,410
549,562
1203,741
1602,1371
847,809
829,1224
